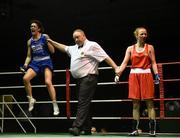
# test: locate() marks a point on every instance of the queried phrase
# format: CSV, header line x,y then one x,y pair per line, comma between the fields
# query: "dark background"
x,y
109,22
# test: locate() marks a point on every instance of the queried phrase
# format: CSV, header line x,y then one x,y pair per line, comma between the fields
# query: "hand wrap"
x,y
116,79
23,69
157,79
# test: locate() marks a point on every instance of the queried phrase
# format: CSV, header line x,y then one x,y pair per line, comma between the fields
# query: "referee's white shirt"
x,y
85,60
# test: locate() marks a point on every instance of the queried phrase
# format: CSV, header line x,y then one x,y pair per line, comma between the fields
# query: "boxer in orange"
x,y
141,83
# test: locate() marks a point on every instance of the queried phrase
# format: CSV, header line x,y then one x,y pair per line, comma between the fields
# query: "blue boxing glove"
x,y
157,79
23,68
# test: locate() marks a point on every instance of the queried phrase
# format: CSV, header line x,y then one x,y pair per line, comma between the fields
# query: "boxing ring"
x,y
110,100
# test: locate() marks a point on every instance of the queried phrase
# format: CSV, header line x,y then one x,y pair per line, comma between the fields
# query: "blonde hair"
x,y
136,31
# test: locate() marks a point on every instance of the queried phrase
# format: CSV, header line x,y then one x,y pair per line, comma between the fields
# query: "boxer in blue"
x,y
38,60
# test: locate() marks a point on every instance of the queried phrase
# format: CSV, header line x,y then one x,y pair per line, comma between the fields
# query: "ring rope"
x,y
93,101
68,110
161,91
161,88
98,118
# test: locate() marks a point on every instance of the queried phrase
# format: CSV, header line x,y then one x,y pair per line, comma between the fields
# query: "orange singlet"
x,y
141,84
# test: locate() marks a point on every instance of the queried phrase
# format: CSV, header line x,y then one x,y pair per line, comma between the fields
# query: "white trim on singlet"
x,y
40,58
140,70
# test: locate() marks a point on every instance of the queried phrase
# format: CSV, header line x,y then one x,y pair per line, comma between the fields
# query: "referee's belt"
x,y
95,75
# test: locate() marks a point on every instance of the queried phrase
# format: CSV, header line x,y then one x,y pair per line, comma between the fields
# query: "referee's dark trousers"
x,y
86,87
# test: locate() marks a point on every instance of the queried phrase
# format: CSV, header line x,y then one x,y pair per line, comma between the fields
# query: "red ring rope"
x,y
161,91
68,112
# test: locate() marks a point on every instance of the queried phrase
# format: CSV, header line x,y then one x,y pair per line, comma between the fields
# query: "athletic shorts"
x,y
141,85
39,66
